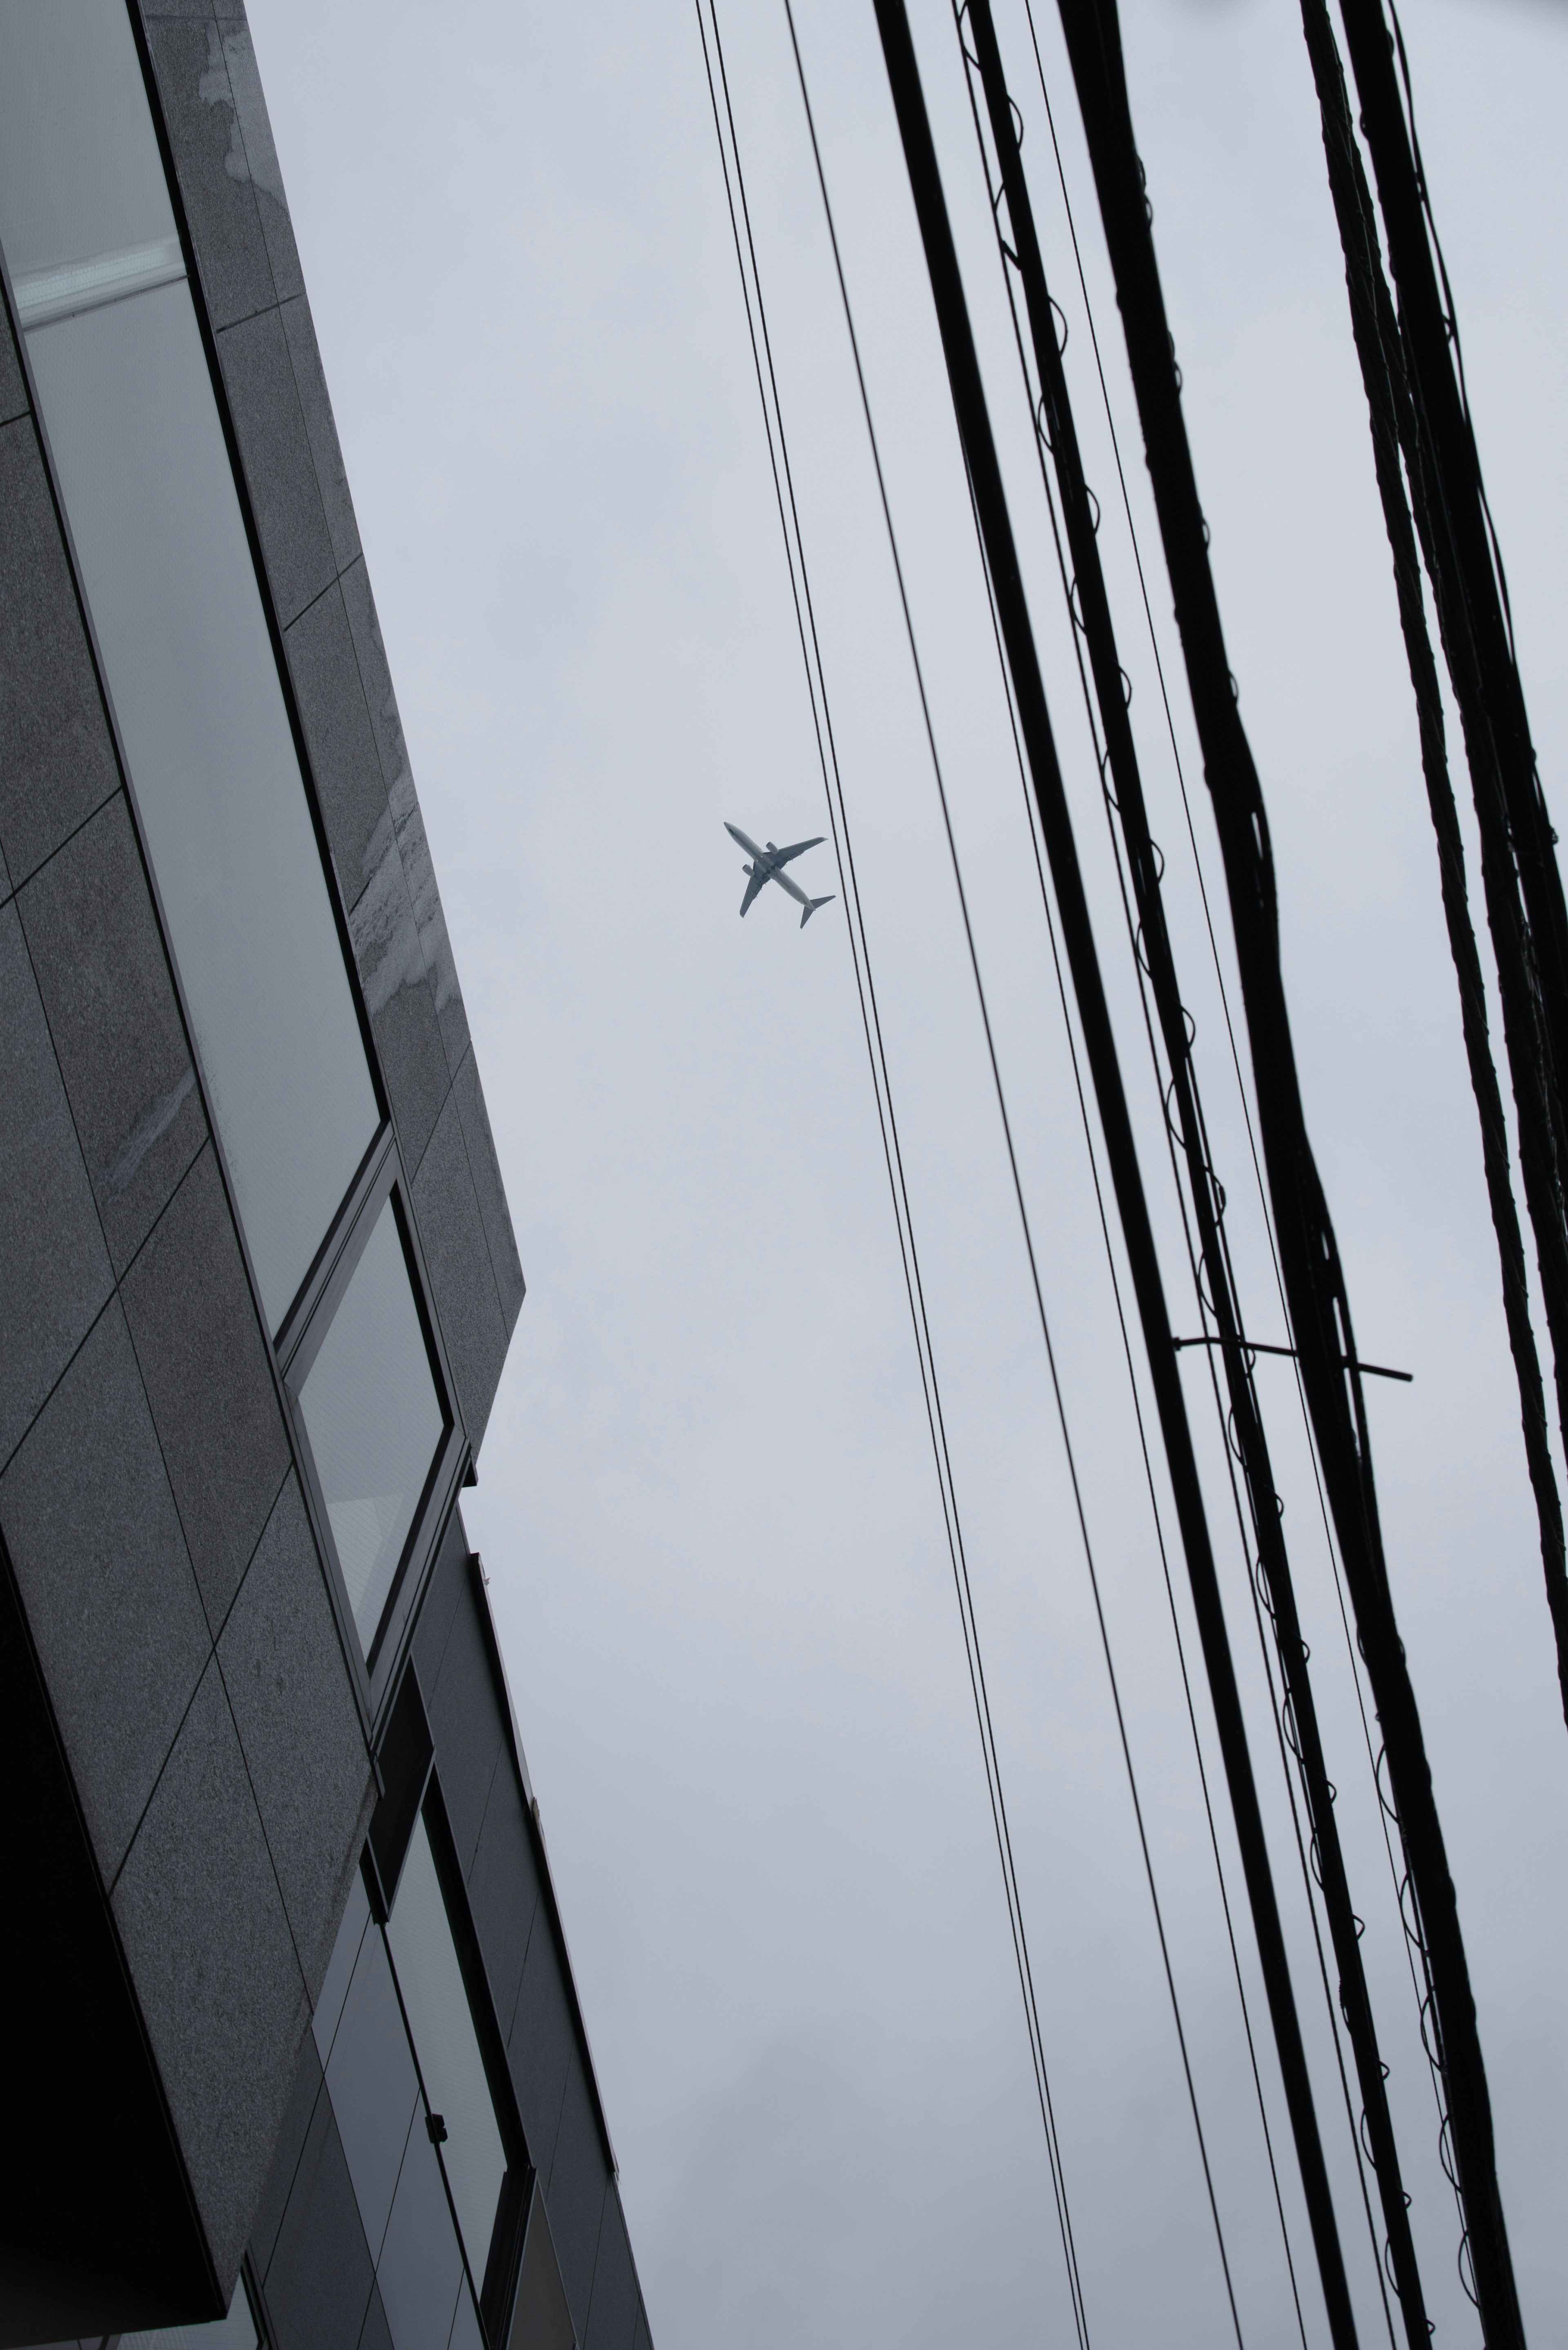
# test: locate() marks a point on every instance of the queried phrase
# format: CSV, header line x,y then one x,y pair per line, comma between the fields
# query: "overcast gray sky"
x,y
707,1509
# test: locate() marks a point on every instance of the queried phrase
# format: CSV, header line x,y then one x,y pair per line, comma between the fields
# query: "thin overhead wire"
x,y
805,621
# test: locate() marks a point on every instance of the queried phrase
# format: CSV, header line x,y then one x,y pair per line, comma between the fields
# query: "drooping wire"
x,y
1413,1947
1278,1704
1393,2260
805,622
1012,1161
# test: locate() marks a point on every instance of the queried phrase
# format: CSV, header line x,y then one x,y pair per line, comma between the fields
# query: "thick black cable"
x,y
1458,503
1383,351
1056,427
975,426
1314,1279
1379,352
805,621
1420,1983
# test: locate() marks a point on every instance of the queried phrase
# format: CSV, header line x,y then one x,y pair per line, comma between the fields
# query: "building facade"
x,y
295,2035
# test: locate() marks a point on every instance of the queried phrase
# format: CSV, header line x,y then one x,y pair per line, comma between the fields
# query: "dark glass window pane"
x,y
236,2331
374,1419
101,189
374,2089
442,2023
420,2268
465,2329
150,492
340,1969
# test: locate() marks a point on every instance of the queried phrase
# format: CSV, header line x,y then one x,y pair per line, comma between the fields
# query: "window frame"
x,y
494,2293
297,1345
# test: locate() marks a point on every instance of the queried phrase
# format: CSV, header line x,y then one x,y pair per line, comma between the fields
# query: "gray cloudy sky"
x,y
708,1510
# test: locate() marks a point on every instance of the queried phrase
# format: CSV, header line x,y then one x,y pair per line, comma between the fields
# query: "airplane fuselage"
x,y
767,864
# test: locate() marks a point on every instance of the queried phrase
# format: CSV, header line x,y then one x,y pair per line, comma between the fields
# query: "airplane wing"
x,y
783,856
758,881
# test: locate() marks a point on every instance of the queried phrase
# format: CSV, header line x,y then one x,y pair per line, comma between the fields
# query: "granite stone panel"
x,y
197,101
319,2280
343,761
466,1725
95,1540
435,942
485,1170
298,2115
574,2193
322,430
98,958
207,1941
57,755
204,1364
280,472
393,980
13,383
254,154
504,1889
4,878
451,1235
541,2047
612,2310
371,654
299,1725
55,1273
444,1595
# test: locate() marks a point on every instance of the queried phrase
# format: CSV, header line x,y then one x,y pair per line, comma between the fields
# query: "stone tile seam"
x,y
236,130
56,1385
321,2092
594,2272
467,1157
112,1884
193,1067
290,1470
65,840
280,304
255,1799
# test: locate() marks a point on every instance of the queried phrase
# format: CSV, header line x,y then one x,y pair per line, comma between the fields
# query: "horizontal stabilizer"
x,y
813,903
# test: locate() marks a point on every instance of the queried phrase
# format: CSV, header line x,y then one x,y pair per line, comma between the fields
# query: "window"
x,y
143,470
435,2157
359,1364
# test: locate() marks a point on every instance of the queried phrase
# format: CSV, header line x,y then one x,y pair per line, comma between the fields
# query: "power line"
x,y
888,1125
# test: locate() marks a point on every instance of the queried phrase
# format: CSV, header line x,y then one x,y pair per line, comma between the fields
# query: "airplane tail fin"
x,y
814,904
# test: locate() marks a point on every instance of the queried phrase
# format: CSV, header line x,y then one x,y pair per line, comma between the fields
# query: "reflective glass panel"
x,y
420,2268
374,1419
374,2089
440,2023
340,1969
236,2331
166,567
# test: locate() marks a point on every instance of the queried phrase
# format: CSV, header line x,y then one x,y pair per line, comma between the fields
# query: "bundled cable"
x,y
1035,725
1091,616
1398,420
1315,1281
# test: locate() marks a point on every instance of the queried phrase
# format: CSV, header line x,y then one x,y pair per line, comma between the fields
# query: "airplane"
x,y
767,865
